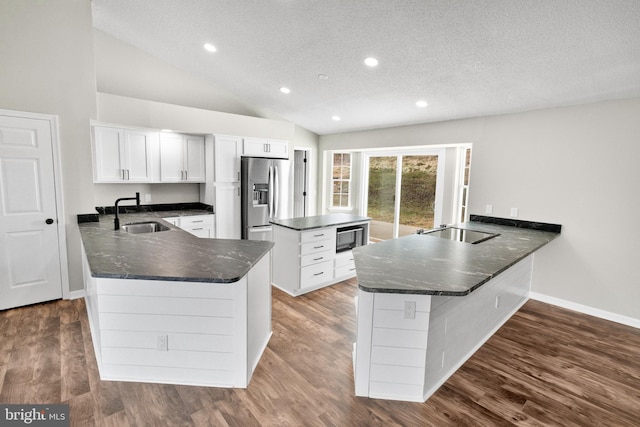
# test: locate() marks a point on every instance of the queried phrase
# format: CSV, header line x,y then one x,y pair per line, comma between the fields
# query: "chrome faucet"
x,y
116,221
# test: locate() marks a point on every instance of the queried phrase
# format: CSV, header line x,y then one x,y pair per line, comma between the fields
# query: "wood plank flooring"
x,y
545,366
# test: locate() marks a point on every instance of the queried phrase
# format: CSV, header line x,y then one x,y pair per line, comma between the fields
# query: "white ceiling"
x,y
465,58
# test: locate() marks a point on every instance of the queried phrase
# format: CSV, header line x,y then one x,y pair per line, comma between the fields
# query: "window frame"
x,y
348,181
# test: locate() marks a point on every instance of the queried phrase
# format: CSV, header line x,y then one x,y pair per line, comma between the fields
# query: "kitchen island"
x,y
316,251
169,307
427,303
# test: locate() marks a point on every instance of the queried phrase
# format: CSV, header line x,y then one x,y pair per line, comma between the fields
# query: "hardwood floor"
x,y
545,366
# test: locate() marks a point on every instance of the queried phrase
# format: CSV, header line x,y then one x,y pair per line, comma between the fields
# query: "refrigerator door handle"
x,y
270,203
276,200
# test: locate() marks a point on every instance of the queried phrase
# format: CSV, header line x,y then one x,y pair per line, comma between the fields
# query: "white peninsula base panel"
x,y
191,333
408,345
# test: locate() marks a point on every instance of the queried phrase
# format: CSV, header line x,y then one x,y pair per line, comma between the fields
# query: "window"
x,y
341,180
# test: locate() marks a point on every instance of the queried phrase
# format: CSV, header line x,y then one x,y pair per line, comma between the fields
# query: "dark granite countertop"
x,y
173,255
424,264
319,221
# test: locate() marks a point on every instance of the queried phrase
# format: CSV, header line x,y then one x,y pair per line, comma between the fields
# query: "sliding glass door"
x,y
402,193
381,197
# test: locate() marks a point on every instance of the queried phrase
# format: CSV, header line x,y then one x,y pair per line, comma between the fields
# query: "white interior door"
x,y
30,269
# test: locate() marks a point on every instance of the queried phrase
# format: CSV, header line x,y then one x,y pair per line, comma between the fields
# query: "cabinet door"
x,y
226,158
228,221
171,158
257,147
279,149
137,154
194,158
108,154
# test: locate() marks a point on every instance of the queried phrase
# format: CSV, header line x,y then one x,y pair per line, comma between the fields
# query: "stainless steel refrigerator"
x,y
266,193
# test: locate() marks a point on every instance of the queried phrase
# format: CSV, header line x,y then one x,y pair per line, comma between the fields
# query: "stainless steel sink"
x,y
144,227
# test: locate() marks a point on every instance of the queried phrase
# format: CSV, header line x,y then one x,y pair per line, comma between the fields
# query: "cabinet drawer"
x,y
315,247
344,259
315,274
315,258
196,220
317,235
347,270
203,231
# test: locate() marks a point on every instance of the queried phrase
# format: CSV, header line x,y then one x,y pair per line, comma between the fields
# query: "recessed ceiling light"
x,y
285,90
209,47
371,62
421,104
335,118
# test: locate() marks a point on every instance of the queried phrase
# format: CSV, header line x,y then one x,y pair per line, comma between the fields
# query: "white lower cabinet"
x,y
307,260
313,275
345,266
228,214
198,225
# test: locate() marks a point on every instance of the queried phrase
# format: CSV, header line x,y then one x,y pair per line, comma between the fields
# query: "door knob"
x,y
49,221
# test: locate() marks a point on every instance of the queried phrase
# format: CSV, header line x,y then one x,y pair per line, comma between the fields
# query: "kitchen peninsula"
x,y
427,302
316,251
169,307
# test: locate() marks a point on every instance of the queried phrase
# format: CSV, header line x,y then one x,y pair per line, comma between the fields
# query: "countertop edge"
x,y
320,226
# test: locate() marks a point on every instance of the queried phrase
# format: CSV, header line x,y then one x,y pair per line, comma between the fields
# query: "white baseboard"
x,y
602,314
75,294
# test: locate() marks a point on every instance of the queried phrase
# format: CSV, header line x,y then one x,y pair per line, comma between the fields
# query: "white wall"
x,y
575,166
122,69
137,89
47,67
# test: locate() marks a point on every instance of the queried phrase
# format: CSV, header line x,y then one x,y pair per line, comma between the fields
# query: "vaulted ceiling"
x,y
464,58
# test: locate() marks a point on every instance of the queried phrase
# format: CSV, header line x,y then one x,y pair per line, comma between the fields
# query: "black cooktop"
x,y
460,235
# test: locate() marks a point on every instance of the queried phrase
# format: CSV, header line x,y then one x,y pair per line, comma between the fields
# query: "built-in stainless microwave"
x,y
349,237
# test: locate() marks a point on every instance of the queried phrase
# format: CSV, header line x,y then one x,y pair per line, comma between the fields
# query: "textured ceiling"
x,y
466,58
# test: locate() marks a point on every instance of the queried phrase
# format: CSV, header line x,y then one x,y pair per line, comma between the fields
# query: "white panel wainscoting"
x,y
207,334
402,355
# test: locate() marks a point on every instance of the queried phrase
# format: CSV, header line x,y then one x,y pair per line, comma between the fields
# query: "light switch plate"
x,y
409,309
163,344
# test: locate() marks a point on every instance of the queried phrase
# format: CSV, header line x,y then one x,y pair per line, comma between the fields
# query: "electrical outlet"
x,y
488,209
498,301
514,212
409,309
163,344
147,197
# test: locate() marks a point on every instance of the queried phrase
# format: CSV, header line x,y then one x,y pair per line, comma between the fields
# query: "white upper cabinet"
x,y
194,158
259,147
181,158
227,152
122,155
